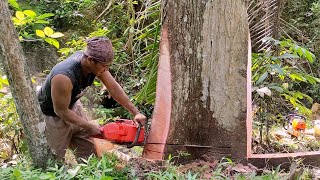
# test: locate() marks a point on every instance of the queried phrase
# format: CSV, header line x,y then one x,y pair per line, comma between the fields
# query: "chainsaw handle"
x,y
297,115
99,136
136,138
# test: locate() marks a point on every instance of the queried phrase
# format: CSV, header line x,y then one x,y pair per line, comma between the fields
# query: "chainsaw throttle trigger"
x,y
136,137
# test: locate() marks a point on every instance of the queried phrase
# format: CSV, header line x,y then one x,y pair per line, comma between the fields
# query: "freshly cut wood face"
x,y
102,146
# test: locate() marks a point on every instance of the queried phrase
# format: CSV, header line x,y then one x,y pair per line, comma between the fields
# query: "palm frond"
x,y
148,35
264,21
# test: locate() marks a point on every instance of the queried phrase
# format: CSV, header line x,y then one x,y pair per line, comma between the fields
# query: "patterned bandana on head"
x,y
100,49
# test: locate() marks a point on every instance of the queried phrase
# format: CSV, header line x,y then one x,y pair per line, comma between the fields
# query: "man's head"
x,y
100,49
99,52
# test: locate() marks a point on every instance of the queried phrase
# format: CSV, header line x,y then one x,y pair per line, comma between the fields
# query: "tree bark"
x,y
209,52
14,63
207,47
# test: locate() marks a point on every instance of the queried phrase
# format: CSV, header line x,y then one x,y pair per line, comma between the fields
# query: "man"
x,y
67,124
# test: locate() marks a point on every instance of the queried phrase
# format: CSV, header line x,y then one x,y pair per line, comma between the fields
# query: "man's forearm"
x,y
73,118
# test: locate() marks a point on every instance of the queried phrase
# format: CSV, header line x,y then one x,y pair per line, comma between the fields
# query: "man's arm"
x,y
61,89
120,96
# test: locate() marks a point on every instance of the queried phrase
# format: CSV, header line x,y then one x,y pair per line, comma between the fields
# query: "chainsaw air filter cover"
x,y
122,131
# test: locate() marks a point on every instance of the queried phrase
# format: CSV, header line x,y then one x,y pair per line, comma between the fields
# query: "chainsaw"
x,y
295,124
124,132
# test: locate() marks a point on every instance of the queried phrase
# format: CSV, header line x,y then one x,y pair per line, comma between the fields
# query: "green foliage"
x,y
9,122
93,168
303,18
108,167
279,76
29,25
3,82
14,4
69,14
149,53
105,112
171,171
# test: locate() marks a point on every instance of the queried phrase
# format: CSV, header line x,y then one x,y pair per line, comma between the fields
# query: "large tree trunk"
x,y
13,60
205,45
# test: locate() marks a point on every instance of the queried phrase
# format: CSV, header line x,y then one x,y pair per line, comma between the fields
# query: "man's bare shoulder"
x,y
61,81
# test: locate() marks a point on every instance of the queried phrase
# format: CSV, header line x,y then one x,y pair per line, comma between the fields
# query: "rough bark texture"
x,y
13,60
39,57
208,42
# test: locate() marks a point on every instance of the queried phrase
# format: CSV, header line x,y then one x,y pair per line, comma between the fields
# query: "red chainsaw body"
x,y
122,131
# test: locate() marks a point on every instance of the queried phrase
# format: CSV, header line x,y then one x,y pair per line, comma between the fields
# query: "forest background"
x,y
285,67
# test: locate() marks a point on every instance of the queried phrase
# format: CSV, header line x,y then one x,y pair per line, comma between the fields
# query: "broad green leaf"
x,y
288,56
4,80
53,42
20,15
16,173
309,56
277,88
298,95
18,22
296,47
48,31
14,4
30,13
262,77
46,15
308,98
57,35
277,68
297,77
96,83
26,35
40,33
293,101
41,22
300,51
315,78
47,176
311,79
284,43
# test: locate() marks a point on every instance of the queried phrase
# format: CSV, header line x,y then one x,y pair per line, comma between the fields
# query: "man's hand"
x,y
140,118
93,129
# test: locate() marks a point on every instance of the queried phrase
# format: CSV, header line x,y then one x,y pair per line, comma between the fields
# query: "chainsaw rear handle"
x,y
297,115
136,138
99,136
